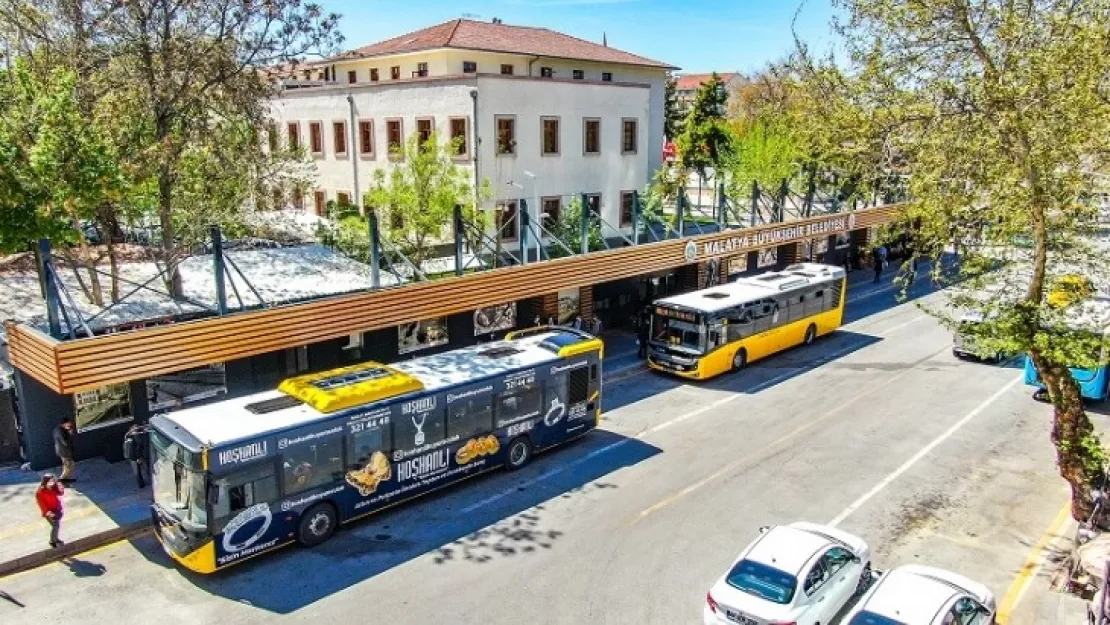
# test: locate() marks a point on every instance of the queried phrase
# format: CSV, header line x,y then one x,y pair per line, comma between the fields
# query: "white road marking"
x,y
675,421
886,481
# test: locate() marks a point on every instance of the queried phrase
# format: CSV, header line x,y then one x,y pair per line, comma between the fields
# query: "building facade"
x,y
540,115
686,85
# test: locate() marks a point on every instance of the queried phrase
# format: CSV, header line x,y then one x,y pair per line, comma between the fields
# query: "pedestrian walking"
x,y
49,498
63,447
878,262
642,329
136,442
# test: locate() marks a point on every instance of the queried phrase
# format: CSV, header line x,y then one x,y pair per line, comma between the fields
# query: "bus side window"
x,y
764,310
469,417
416,430
361,445
579,387
739,323
815,302
312,464
518,405
243,489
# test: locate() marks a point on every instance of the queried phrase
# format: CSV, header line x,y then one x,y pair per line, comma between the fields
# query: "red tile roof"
x,y
497,37
690,82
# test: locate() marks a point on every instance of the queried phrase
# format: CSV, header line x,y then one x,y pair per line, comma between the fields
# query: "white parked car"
x,y
923,595
797,574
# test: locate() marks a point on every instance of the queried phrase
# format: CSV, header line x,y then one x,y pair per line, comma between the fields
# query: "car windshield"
x,y
177,489
762,581
676,332
870,618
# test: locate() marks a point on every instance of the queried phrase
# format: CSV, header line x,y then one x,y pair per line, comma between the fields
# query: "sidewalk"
x,y
102,506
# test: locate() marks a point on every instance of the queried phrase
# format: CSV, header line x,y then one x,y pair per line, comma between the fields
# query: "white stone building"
x,y
555,115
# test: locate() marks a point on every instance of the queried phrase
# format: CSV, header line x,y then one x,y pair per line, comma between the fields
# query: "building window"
x,y
506,135
459,138
626,208
546,72
422,70
342,198
321,202
506,69
352,77
293,135
552,210
339,137
606,76
593,202
394,138
373,74
470,67
316,137
506,220
591,143
395,72
425,126
298,198
579,74
550,126
272,137
628,136
366,137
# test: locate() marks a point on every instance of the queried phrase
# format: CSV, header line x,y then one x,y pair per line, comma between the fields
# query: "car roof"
x,y
909,597
787,548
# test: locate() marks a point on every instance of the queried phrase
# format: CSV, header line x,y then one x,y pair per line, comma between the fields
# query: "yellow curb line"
x,y
1032,565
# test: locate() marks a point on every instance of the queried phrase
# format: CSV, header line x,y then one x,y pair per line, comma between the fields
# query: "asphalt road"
x,y
876,428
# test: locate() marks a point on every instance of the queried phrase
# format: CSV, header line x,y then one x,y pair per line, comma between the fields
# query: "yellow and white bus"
x,y
705,333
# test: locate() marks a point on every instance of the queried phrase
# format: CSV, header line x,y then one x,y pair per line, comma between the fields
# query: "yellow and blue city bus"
x,y
705,333
243,476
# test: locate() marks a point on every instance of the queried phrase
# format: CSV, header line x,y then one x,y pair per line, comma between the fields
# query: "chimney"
x,y
604,40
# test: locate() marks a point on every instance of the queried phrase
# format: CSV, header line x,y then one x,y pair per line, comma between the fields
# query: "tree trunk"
x,y
1078,451
165,218
113,269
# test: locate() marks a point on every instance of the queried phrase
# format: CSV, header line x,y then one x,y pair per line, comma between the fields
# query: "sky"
x,y
695,35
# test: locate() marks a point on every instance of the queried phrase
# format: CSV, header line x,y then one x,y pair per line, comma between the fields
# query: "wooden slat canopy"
x,y
88,363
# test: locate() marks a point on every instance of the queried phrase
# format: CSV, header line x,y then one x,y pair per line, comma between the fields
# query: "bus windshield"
x,y
676,332
178,490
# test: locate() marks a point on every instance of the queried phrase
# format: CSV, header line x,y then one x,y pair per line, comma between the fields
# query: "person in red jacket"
x,y
49,498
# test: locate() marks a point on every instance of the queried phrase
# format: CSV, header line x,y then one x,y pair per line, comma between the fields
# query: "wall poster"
x,y
418,335
768,257
103,406
568,306
494,319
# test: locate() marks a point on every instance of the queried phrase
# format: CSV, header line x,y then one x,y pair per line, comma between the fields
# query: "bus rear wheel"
x,y
740,360
518,454
317,525
811,334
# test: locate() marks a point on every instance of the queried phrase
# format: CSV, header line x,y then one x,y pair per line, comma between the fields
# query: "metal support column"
x,y
458,225
836,193
584,230
523,213
681,213
218,268
46,275
784,192
721,220
375,250
811,189
755,203
635,218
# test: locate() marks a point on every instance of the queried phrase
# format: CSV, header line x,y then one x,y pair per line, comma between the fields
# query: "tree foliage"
x,y
416,200
672,111
568,229
706,139
999,114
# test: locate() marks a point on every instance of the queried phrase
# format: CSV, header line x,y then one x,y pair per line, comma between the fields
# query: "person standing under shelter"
x,y
63,447
49,498
877,260
135,445
643,326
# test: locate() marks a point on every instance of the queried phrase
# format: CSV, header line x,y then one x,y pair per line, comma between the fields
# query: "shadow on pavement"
x,y
498,515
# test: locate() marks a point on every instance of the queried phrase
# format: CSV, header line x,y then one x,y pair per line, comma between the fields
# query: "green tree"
x,y
416,200
57,170
999,114
706,141
568,229
672,111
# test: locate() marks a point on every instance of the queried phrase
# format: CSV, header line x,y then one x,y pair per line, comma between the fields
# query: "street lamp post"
x,y
536,209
